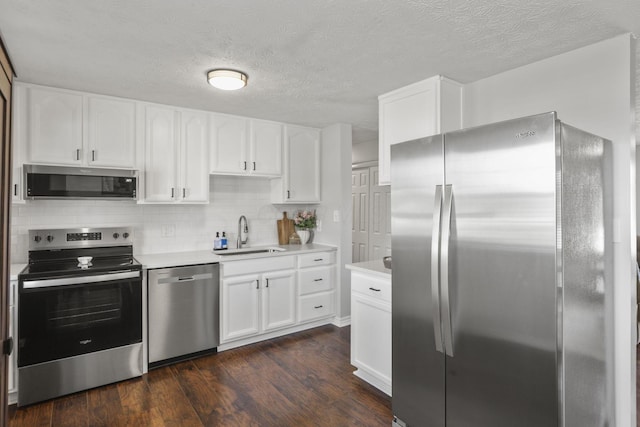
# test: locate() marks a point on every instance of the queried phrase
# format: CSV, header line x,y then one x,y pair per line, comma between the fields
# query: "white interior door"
x,y
379,217
360,222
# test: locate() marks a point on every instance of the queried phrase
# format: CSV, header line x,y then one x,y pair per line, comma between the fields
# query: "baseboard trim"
x,y
342,321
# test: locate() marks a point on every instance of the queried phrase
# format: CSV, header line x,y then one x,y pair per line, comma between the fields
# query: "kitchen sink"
x,y
249,251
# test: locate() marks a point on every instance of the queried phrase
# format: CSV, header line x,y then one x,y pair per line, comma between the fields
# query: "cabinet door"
x,y
240,307
265,148
228,147
55,127
160,154
406,114
111,135
302,156
194,166
371,336
278,300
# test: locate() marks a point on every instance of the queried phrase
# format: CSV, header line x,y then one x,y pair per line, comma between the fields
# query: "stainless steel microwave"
x,y
62,182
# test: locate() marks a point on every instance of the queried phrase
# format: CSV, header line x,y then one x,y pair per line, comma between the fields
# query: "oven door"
x,y
69,316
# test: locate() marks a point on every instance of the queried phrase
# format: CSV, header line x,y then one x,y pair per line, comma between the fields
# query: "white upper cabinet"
x,y
228,149
72,128
265,148
300,182
175,156
160,174
241,146
425,108
194,179
111,132
54,127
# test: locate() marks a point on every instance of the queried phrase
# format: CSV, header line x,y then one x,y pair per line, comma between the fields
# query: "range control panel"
x,y
80,238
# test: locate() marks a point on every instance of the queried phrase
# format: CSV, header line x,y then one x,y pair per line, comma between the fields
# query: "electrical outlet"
x,y
336,216
318,225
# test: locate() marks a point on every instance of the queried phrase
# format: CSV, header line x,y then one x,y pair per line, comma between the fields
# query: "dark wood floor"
x,y
304,379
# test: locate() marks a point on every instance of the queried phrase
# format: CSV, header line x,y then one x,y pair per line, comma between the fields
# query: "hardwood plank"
x,y
70,411
103,405
303,379
170,401
32,416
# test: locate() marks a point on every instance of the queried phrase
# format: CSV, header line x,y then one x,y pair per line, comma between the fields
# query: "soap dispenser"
x,y
217,243
223,241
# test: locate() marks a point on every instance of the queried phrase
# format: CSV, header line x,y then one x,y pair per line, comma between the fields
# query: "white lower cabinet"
x,y
267,297
371,329
12,380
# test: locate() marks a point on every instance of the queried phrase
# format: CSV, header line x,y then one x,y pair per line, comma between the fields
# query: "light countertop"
x,y
375,267
15,269
208,257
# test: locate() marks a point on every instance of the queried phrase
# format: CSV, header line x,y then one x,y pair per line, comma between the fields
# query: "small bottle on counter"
x,y
223,241
217,242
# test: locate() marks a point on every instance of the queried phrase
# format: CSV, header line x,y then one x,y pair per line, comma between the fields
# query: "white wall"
x,y
592,88
365,152
336,198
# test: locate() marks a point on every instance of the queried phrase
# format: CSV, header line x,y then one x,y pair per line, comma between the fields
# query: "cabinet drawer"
x,y
313,280
316,306
257,265
371,286
314,259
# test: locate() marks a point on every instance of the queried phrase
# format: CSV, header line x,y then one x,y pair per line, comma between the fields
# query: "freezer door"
x,y
499,314
417,364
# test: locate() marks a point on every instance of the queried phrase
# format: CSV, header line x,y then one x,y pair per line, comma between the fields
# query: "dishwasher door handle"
x,y
184,279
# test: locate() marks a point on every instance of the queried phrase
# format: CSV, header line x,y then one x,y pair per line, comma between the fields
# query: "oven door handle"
x,y
48,283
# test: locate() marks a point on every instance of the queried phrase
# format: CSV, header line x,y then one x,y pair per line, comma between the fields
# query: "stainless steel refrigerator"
x,y
502,273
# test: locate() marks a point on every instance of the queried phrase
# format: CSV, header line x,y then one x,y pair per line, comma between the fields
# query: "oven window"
x,y
66,321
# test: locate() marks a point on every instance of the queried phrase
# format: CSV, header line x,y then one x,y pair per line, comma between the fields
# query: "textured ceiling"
x,y
309,62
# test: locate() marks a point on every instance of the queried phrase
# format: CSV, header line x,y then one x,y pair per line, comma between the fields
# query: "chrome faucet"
x,y
239,241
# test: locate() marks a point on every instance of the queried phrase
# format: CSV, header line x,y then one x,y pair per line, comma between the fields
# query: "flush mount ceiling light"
x,y
227,79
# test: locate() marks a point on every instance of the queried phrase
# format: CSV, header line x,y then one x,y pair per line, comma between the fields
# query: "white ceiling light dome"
x,y
226,79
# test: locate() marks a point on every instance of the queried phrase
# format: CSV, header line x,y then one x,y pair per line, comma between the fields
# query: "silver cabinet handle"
x,y
267,280
435,266
375,290
257,284
173,192
254,165
184,193
444,270
15,189
318,306
77,154
245,166
93,155
288,194
318,259
317,280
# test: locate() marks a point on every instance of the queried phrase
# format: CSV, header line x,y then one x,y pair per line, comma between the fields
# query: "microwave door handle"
x,y
435,269
444,270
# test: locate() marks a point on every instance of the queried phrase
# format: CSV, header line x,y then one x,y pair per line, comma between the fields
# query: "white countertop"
x,y
15,269
208,257
375,267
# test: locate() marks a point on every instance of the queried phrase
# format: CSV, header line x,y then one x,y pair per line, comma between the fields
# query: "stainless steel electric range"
x,y
79,312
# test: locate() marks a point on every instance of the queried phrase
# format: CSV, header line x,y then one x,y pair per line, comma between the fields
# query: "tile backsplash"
x,y
161,228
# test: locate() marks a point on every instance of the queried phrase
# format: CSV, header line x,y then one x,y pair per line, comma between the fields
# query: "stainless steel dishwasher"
x,y
183,312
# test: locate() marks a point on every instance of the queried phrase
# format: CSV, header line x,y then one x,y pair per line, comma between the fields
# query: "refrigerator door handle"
x,y
444,270
435,269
